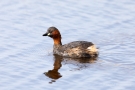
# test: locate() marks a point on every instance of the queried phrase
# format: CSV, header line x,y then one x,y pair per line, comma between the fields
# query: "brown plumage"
x,y
76,49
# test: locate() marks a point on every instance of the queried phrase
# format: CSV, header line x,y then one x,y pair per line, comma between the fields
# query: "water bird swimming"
x,y
76,49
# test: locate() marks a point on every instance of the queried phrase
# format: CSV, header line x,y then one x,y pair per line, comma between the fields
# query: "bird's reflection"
x,y
80,62
54,74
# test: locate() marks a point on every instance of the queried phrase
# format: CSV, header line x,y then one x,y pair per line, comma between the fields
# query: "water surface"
x,y
27,62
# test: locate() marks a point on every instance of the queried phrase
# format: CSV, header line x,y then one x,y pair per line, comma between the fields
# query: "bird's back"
x,y
76,49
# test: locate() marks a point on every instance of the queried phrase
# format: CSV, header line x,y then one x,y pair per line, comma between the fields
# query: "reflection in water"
x,y
80,62
83,60
54,74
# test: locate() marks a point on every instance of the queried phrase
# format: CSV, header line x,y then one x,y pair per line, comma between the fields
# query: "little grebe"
x,y
76,49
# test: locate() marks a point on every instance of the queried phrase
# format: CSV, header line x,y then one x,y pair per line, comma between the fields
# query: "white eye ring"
x,y
48,34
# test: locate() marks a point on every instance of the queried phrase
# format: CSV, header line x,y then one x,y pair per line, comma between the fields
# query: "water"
x,y
26,59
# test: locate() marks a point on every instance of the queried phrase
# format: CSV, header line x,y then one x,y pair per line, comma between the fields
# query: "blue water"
x,y
26,59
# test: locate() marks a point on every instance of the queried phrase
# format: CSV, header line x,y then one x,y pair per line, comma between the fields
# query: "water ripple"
x,y
26,58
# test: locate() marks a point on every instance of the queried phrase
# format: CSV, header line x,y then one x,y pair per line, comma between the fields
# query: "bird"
x,y
75,49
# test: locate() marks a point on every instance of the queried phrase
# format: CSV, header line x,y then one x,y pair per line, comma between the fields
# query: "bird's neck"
x,y
57,41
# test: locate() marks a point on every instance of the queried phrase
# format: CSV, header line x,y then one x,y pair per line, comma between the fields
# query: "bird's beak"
x,y
46,34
